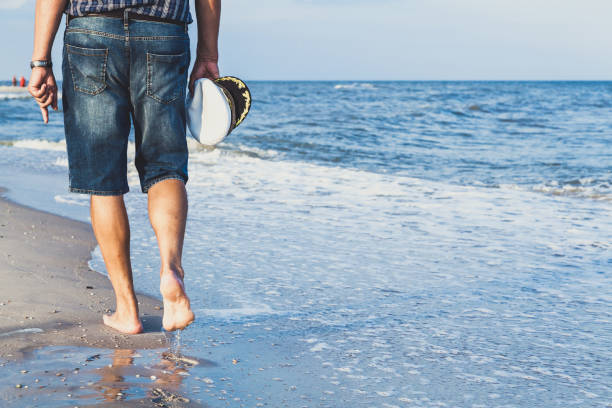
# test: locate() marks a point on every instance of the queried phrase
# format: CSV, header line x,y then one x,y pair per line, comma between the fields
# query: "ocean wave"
x,y
197,152
8,96
205,154
589,188
355,85
240,149
571,191
10,92
37,144
271,164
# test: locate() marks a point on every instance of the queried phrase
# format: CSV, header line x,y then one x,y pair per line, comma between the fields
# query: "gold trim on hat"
x,y
246,95
247,106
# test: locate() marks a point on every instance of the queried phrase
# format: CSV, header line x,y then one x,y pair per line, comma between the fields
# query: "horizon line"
x,y
405,80
430,80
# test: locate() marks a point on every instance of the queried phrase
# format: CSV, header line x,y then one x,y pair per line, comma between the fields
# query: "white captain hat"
x,y
216,108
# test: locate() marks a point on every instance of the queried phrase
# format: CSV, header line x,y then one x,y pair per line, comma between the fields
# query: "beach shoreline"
x,y
459,258
50,296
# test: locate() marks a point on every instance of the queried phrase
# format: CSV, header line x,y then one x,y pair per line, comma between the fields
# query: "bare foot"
x,y
126,326
177,310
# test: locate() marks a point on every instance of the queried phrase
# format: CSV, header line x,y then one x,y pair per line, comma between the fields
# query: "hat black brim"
x,y
240,94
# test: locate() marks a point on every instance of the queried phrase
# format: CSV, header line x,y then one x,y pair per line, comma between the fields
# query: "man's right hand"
x,y
203,69
43,88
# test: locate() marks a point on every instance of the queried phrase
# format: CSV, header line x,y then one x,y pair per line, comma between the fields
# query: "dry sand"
x,y
48,294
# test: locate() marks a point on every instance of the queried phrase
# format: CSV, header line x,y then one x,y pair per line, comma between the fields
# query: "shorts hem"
x,y
146,187
98,192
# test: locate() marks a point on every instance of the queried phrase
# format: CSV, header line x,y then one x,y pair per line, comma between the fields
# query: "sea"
x,y
368,244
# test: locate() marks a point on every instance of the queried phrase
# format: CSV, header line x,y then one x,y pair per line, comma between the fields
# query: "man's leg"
x,y
112,229
168,215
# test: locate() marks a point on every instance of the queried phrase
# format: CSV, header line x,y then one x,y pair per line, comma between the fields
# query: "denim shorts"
x,y
118,71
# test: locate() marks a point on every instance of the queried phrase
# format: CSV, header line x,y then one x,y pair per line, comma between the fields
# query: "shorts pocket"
x,y
88,68
166,76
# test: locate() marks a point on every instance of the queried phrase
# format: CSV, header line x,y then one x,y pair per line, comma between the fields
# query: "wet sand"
x,y
49,296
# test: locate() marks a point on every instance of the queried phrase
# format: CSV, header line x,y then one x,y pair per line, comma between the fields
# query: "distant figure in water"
x,y
14,80
22,82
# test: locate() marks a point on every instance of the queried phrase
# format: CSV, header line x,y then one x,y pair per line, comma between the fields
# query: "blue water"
x,y
384,244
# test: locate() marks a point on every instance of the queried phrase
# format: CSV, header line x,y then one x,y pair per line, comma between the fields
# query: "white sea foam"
x,y
73,199
246,311
319,347
61,162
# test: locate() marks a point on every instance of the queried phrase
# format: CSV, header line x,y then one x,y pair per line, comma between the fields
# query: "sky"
x,y
384,39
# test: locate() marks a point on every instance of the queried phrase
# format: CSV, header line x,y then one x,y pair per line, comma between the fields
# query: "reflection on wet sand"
x,y
162,379
68,377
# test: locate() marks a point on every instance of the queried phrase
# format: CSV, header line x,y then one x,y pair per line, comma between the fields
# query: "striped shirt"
x,y
177,10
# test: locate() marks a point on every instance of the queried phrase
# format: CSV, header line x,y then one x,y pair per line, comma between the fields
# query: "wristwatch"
x,y
41,63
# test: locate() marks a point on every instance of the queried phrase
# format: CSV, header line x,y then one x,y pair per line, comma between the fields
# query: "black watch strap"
x,y
41,63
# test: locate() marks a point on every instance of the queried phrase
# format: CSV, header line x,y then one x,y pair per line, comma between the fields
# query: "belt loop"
x,y
126,19
186,28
